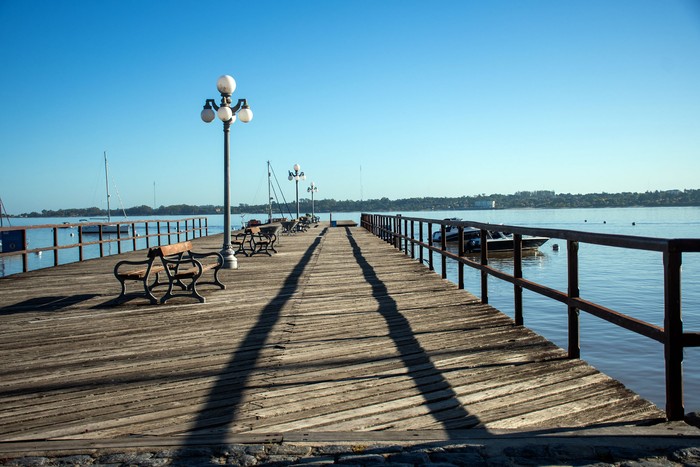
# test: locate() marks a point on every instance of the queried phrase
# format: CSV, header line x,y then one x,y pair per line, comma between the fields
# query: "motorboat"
x,y
106,228
496,240
452,232
502,241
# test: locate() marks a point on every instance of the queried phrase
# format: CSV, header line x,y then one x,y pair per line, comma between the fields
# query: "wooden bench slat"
x,y
140,273
169,250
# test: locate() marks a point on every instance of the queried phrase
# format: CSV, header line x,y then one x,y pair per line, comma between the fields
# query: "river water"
x,y
627,281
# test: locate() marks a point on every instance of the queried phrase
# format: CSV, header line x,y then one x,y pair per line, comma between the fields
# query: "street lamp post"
x,y
296,175
227,114
312,189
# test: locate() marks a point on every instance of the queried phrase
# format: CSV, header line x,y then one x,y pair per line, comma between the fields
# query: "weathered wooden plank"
x,y
337,332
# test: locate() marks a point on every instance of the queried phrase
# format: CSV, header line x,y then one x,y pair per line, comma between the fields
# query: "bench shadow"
x,y
446,409
224,399
46,304
138,298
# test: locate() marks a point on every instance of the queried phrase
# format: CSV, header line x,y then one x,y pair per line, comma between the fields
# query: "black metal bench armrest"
x,y
219,257
141,275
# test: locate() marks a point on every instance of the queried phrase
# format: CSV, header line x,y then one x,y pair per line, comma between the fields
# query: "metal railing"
x,y
137,234
401,232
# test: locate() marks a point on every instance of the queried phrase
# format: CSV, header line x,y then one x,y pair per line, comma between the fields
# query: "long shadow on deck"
x,y
443,404
52,303
225,398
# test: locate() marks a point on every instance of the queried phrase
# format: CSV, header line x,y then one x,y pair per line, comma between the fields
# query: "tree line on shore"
x,y
543,199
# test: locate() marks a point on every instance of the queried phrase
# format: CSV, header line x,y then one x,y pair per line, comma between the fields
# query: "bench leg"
x,y
263,249
192,288
123,284
240,249
147,289
216,280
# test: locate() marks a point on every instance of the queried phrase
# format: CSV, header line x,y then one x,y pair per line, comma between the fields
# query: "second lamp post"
x,y
296,175
312,189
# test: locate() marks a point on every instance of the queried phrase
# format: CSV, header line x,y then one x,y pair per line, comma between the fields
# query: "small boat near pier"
x,y
496,240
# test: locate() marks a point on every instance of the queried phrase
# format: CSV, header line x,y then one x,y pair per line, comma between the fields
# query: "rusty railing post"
x,y
55,246
518,273
460,252
573,292
25,257
413,238
80,242
397,232
405,237
484,274
431,267
420,247
443,247
673,330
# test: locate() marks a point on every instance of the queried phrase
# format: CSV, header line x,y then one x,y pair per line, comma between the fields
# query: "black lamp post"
x,y
296,175
312,189
227,114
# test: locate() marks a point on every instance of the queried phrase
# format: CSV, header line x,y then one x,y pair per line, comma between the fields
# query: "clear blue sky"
x,y
391,98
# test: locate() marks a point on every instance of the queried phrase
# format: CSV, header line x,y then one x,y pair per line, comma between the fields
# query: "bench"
x,y
289,227
254,240
179,263
262,239
240,240
271,231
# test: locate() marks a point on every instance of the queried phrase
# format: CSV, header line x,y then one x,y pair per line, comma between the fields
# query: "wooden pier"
x,y
338,333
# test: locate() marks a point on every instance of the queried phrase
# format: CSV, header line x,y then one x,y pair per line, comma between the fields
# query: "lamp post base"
x,y
230,261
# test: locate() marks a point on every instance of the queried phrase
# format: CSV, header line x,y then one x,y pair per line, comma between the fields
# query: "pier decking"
x,y
337,333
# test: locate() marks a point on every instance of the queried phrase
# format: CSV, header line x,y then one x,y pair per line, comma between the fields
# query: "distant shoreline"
x,y
543,199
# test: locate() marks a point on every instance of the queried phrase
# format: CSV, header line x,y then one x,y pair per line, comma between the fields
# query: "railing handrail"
x,y
185,226
604,239
671,334
105,222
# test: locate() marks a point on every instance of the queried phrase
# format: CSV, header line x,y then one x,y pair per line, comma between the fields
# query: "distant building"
x,y
485,204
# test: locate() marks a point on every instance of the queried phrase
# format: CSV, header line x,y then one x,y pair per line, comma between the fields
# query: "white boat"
x,y
107,227
496,240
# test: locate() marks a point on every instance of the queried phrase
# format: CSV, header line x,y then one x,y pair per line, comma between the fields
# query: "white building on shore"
x,y
485,204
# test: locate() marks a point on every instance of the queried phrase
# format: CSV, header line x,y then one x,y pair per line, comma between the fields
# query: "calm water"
x,y
627,281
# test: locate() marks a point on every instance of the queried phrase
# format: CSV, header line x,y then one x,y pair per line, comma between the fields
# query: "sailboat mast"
x,y
107,185
1,208
269,195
